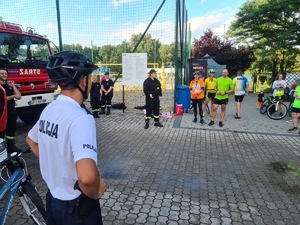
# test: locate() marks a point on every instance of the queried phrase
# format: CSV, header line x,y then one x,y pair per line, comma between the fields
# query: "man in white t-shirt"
x,y
64,139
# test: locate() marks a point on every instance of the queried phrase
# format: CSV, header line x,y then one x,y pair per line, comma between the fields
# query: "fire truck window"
x,y
4,50
39,51
22,50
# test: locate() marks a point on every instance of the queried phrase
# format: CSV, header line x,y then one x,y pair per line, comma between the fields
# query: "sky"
x,y
211,14
104,22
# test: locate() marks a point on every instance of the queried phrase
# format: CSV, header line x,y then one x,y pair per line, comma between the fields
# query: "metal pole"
x,y
161,5
190,42
154,51
92,51
106,70
59,26
176,54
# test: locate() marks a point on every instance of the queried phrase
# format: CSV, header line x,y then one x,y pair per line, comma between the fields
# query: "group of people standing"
x,y
105,86
217,91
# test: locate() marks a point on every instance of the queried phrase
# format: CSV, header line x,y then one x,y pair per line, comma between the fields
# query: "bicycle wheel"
x,y
33,203
274,113
264,106
290,109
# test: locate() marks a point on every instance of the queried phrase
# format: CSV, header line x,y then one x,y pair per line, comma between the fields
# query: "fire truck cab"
x,y
28,55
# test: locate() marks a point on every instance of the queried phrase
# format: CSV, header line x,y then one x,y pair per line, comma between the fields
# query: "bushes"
x,y
262,79
268,90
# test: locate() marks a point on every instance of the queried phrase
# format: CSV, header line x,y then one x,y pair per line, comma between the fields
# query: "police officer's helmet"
x,y
69,66
3,60
211,71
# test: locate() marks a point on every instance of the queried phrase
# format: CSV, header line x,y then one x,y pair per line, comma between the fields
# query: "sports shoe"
x,y
293,130
203,114
211,123
281,114
202,121
237,117
194,120
221,124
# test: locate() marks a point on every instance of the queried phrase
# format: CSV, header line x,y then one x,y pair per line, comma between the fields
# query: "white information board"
x,y
134,68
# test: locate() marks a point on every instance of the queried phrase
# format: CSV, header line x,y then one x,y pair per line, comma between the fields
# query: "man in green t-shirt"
x,y
295,111
224,86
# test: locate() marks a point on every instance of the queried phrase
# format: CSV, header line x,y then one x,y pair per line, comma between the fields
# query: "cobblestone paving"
x,y
180,174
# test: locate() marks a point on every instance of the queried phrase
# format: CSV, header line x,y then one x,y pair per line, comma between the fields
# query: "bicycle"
x,y
273,109
19,182
265,104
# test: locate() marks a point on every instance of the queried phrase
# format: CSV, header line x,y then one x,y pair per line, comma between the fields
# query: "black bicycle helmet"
x,y
3,61
69,66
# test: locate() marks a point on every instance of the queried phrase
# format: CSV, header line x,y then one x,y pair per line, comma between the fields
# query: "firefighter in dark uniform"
x,y
95,97
153,93
12,93
107,86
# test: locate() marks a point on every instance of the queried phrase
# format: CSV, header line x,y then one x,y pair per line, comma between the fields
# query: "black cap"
x,y
152,71
106,73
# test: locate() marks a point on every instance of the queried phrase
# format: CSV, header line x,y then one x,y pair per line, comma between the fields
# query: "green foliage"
x,y
268,90
166,52
112,54
262,79
223,52
269,81
272,28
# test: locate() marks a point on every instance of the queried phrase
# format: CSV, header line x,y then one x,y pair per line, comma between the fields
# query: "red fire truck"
x,y
28,53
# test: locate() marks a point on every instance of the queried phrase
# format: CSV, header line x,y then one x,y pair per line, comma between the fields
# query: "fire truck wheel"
x,y
30,116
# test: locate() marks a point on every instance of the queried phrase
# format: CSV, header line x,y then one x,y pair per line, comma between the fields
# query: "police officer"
x,y
64,139
95,97
153,93
12,93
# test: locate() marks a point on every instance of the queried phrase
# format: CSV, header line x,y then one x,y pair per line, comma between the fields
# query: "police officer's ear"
x,y
84,80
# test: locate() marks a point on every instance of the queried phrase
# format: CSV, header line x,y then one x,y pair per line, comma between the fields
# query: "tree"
x,y
271,26
167,52
148,45
73,47
223,52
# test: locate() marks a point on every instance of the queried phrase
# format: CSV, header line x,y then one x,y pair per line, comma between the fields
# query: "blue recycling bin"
x,y
184,97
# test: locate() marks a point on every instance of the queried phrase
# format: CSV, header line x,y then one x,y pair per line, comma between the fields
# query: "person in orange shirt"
x,y
197,89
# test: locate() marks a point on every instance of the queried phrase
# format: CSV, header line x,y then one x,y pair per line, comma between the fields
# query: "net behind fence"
x,y
103,30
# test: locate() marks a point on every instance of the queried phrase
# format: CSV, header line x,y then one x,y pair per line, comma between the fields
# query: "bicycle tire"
x,y
276,114
290,108
264,106
29,190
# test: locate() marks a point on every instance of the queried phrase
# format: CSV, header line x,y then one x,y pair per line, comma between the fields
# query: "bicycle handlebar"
x,y
13,157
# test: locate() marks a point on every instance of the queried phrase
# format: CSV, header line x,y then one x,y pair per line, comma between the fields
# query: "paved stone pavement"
x,y
244,173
